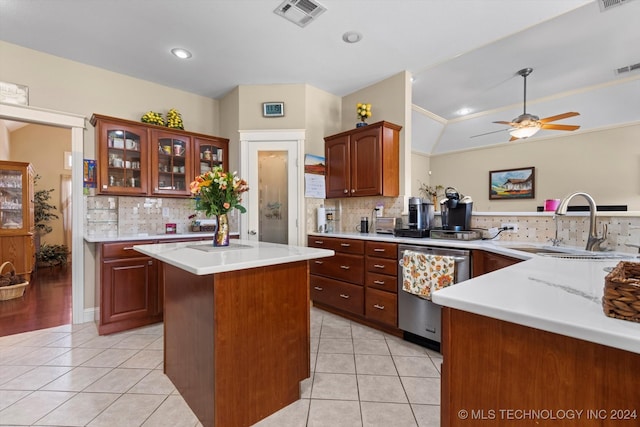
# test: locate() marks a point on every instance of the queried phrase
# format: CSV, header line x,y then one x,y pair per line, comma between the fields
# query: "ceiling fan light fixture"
x,y
524,132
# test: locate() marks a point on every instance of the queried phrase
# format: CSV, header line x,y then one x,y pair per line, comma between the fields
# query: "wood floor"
x,y
45,303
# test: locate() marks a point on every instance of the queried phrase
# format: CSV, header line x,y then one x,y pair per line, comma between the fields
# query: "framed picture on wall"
x,y
512,184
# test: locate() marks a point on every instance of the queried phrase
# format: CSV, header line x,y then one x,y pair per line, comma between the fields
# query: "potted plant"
x,y
43,210
52,255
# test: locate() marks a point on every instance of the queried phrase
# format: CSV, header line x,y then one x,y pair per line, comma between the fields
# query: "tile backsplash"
x,y
572,230
119,216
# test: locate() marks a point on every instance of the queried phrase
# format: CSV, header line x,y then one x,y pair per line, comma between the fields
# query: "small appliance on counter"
x,y
455,211
386,224
420,219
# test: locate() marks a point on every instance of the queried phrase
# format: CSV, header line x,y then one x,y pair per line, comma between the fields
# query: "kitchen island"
x,y
236,326
530,344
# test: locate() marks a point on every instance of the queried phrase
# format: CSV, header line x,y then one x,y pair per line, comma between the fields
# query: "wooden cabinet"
x,y
16,216
358,282
139,159
486,262
171,160
128,288
381,282
123,156
337,281
363,161
209,153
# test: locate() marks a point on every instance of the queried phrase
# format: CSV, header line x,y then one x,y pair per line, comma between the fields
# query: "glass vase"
x,y
221,237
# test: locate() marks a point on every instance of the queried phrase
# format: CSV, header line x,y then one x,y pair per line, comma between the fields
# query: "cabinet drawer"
x,y
343,296
381,306
123,249
381,281
382,249
382,266
349,246
347,267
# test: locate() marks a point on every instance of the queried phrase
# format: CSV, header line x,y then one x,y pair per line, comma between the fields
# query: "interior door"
x,y
272,199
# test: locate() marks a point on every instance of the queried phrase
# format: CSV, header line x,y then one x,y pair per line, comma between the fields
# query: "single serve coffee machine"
x,y
455,211
420,219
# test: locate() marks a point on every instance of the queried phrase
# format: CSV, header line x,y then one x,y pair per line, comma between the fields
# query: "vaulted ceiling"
x,y
462,53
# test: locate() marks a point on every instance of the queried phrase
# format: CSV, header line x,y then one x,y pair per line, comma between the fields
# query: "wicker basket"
x,y
12,291
622,292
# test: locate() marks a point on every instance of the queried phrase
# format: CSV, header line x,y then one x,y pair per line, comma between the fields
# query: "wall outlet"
x,y
513,228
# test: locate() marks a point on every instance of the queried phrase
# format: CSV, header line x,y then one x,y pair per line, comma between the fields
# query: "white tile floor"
x,y
70,376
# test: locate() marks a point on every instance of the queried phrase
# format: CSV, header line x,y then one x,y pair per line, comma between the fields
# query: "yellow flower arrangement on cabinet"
x,y
364,111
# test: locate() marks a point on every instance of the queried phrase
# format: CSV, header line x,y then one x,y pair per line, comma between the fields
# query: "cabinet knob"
x,y
345,191
150,262
353,191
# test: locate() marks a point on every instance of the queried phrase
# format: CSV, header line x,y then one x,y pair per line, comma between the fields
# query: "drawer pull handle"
x,y
127,248
150,262
319,242
378,266
319,262
344,296
345,267
378,250
318,288
379,282
379,307
345,245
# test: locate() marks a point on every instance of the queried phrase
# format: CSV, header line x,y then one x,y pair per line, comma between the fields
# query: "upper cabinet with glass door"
x,y
210,152
171,171
16,198
122,156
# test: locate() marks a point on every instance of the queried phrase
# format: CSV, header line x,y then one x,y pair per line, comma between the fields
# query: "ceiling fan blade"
x,y
559,117
505,123
488,133
559,127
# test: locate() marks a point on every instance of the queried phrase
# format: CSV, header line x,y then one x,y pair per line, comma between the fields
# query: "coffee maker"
x,y
420,219
455,211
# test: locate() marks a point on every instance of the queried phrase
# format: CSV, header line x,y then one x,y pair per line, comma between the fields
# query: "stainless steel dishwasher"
x,y
418,316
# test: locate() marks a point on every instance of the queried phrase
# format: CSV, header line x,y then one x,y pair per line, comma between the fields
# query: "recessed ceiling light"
x,y
463,111
352,37
181,53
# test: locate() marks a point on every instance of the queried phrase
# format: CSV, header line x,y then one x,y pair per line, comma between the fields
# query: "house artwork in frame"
x,y
512,184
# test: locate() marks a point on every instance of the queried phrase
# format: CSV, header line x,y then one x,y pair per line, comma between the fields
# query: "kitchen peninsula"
x,y
236,326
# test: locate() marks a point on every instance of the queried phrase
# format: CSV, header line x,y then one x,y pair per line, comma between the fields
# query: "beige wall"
x,y
390,100
62,85
44,147
322,118
420,166
604,163
229,125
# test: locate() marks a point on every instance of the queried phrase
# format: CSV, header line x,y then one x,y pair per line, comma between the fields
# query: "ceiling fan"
x,y
526,125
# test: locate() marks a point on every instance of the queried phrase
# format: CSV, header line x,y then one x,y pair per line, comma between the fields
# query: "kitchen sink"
x,y
535,250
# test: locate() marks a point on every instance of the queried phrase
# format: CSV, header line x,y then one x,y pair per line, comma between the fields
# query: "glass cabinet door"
x,y
123,166
210,153
171,163
16,197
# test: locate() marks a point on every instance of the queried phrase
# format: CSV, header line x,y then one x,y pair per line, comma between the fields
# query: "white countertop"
x,y
557,295
138,237
239,255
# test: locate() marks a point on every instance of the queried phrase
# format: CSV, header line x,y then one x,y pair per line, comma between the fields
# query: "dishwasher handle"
x,y
455,258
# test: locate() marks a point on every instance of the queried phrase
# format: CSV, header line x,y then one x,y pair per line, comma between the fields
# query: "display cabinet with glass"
x,y
16,216
171,163
210,152
122,158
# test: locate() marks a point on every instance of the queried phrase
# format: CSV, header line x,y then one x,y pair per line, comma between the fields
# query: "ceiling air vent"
x,y
300,12
608,4
628,68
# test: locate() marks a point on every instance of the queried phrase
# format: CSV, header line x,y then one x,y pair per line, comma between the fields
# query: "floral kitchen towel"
x,y
423,274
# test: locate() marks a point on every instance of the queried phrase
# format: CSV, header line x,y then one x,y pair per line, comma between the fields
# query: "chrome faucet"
x,y
594,241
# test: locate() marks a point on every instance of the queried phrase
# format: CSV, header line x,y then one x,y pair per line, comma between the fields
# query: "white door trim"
x,y
77,124
276,135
